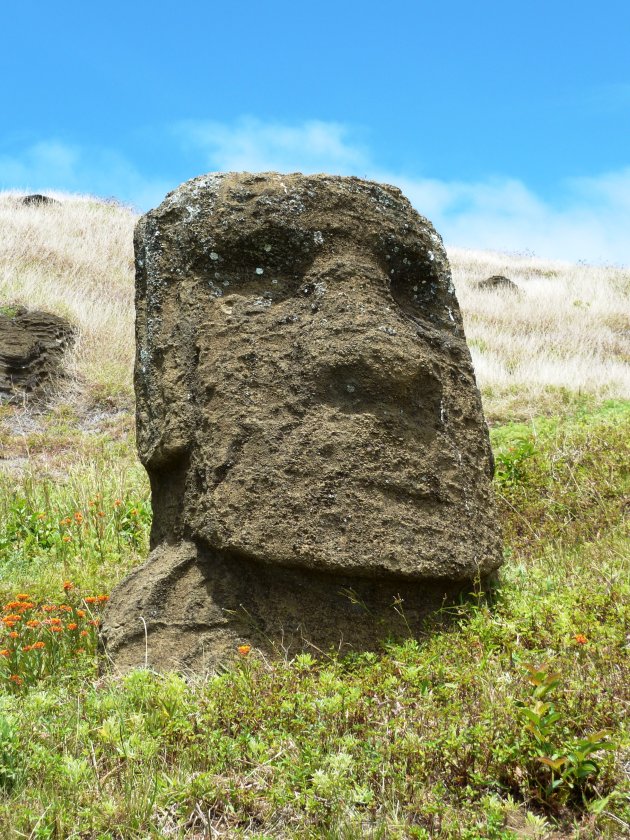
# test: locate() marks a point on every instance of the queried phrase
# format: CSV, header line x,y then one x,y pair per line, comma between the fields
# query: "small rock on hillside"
x,y
498,281
38,200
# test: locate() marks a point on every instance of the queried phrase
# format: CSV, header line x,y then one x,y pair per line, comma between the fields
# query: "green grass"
x,y
436,736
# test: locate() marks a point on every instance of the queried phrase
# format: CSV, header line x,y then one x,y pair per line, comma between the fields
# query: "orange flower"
x,y
117,503
84,633
39,645
68,585
22,596
134,511
91,599
32,623
103,598
14,635
81,613
67,538
78,517
101,513
66,521
244,649
41,516
5,653
94,623
54,621
580,638
26,648
72,626
65,608
17,680
56,629
49,608
26,605
13,617
12,605
8,623
80,650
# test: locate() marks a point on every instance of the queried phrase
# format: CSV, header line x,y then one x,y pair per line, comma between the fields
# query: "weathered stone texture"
x,y
308,416
32,344
37,200
498,281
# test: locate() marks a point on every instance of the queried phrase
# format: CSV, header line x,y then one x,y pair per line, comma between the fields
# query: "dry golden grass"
x,y
76,259
565,334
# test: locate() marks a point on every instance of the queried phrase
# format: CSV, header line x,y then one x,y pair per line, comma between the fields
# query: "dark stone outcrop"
x,y
37,200
308,416
498,281
32,344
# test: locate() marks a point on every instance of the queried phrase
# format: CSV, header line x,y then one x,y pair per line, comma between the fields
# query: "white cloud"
x,y
590,220
255,146
40,163
609,189
53,165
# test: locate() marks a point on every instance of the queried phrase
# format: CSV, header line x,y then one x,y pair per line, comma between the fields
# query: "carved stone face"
x,y
305,393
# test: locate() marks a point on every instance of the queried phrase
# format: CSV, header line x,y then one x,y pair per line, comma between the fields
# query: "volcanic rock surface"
x,y
498,281
308,416
32,344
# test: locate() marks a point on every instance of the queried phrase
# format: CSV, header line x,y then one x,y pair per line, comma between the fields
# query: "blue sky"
x,y
506,123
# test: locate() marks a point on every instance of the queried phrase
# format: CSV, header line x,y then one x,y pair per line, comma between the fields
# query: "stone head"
x,y
305,394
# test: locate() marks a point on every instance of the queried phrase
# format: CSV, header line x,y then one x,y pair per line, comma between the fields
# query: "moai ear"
x,y
165,356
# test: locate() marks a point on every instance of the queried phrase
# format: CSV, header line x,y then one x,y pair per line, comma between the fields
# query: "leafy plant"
x,y
39,640
9,754
9,311
572,764
511,465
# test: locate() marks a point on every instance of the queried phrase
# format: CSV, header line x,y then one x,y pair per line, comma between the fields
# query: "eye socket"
x,y
273,249
268,263
419,277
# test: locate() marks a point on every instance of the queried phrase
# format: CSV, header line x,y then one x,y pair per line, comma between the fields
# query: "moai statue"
x,y
308,416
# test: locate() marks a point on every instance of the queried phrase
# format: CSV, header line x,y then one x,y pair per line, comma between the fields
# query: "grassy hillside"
x,y
507,718
566,333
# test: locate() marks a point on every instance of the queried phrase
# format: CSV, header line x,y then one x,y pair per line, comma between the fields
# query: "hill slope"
x,y
566,332
507,718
